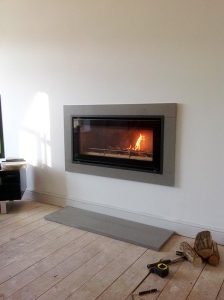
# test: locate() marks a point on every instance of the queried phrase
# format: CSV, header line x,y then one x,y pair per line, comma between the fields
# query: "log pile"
x,y
215,257
205,249
203,244
190,254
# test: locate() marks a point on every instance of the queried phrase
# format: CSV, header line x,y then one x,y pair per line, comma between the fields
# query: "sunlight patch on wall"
x,y
35,140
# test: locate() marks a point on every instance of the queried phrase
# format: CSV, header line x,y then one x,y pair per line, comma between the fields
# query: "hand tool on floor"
x,y
166,261
160,269
151,291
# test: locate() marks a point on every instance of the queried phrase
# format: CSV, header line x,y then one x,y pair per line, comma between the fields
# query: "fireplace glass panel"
x,y
133,143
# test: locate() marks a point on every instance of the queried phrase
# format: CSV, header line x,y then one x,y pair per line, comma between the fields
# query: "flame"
x,y
137,146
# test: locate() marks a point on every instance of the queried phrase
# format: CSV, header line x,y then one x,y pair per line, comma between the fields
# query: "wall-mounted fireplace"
x,y
135,142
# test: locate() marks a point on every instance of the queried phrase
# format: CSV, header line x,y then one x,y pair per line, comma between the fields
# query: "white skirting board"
x,y
181,228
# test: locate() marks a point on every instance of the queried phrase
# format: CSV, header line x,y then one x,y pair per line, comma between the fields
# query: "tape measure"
x,y
160,269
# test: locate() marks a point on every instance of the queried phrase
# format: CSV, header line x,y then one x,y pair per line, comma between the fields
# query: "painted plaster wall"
x,y
117,51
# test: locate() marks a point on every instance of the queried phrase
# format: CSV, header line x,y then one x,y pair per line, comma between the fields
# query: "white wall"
x,y
55,52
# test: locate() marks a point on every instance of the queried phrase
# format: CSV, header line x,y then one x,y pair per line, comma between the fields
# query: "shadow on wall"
x,y
35,147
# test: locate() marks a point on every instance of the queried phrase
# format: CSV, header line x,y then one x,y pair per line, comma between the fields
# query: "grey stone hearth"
x,y
121,229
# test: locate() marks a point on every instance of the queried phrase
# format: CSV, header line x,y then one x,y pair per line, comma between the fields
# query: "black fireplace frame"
x,y
169,113
156,124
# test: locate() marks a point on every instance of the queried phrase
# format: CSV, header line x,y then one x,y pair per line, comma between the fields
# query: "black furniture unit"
x,y
12,186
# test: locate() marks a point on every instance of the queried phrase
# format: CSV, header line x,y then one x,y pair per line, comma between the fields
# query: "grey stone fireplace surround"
x,y
166,110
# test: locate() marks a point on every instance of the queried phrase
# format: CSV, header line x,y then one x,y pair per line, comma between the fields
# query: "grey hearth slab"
x,y
128,231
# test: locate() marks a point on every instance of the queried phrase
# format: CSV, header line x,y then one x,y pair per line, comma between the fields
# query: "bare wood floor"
x,y
44,260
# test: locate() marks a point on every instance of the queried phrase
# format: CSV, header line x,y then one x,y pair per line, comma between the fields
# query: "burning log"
x,y
120,153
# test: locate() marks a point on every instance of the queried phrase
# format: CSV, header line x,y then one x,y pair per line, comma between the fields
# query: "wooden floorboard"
x,y
95,286
182,282
24,261
20,227
25,249
59,265
124,286
208,284
75,279
13,248
220,295
20,210
45,260
33,281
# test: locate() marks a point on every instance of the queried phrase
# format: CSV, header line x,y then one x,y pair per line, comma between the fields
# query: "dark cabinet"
x,y
12,184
